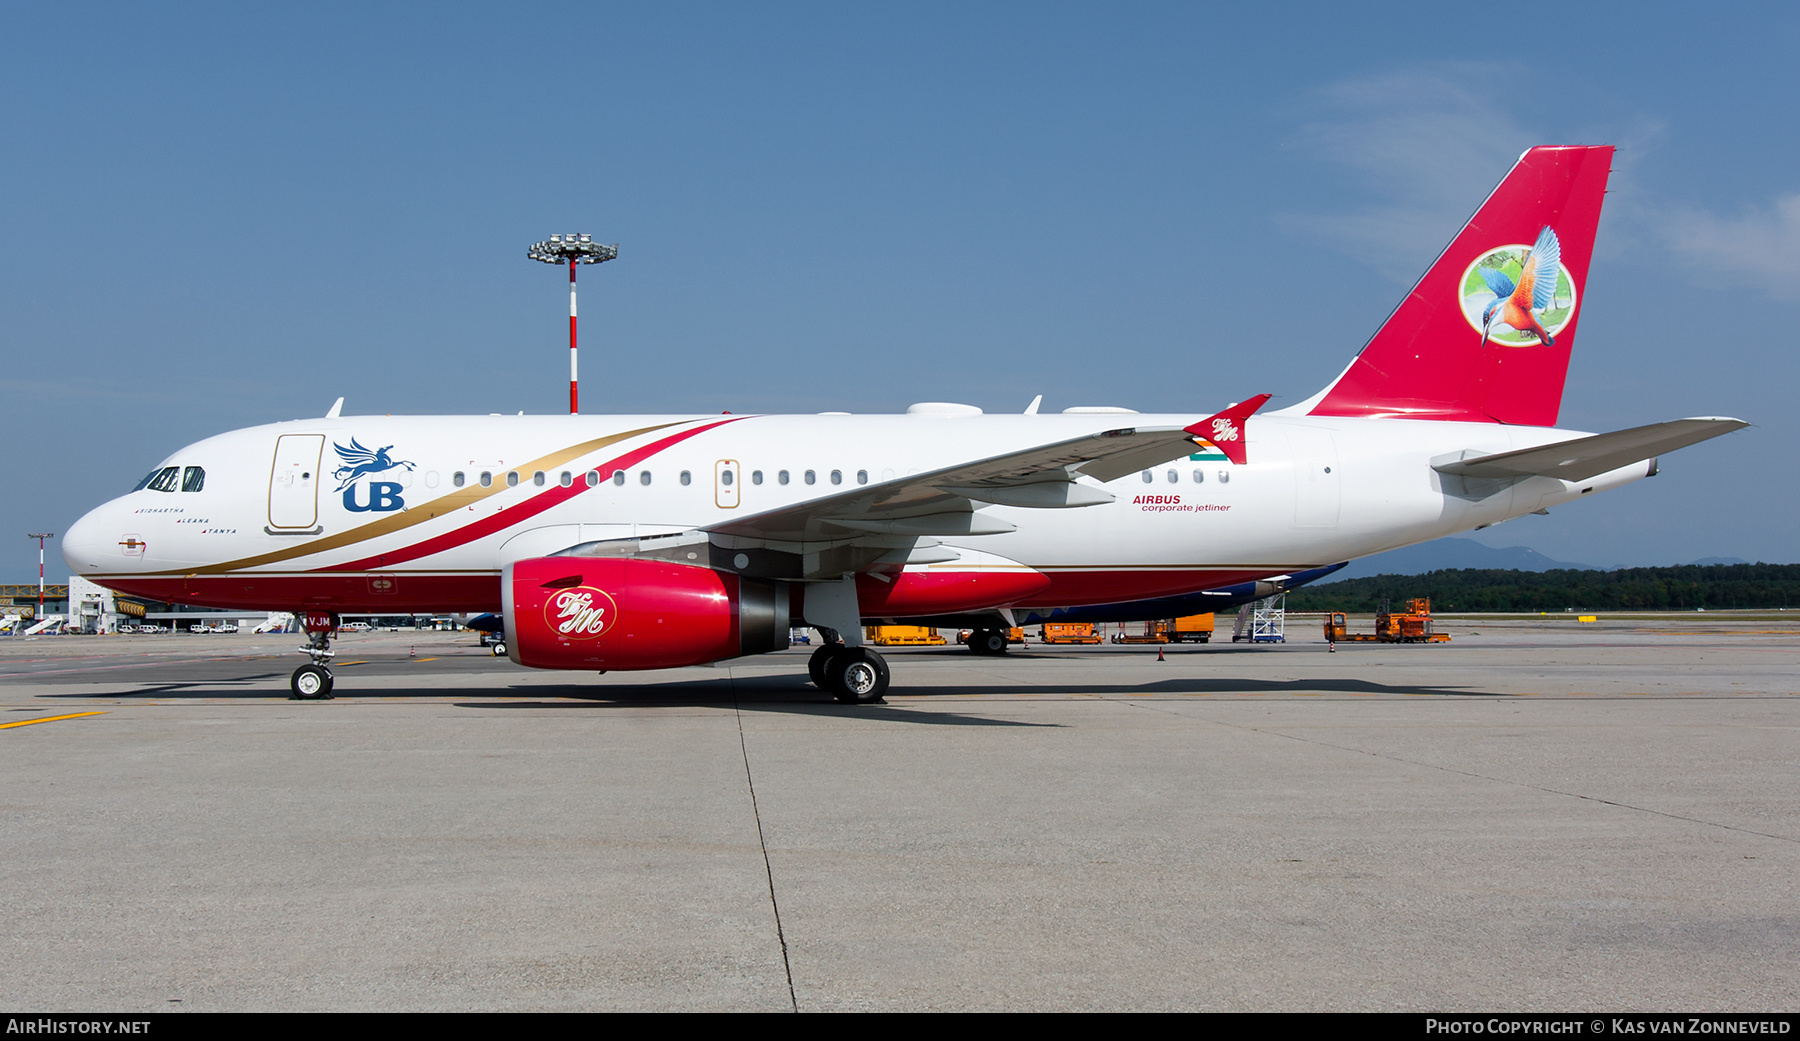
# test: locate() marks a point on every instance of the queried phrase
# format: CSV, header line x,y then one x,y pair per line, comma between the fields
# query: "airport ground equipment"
x,y
1410,626
1149,632
1068,632
1194,628
1262,621
903,636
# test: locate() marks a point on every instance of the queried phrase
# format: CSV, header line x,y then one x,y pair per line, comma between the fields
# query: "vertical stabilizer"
x,y
1485,335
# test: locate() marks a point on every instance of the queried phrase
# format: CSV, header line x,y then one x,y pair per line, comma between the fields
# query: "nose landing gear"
x,y
313,682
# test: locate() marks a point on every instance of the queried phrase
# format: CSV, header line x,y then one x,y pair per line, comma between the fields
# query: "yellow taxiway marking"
x,y
421,659
48,719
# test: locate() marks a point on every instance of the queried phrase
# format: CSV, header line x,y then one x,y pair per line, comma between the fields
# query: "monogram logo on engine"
x,y
580,612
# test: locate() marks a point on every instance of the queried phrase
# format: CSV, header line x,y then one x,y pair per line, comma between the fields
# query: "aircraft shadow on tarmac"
x,y
783,693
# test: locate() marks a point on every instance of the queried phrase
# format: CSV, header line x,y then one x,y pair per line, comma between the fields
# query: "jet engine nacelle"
x,y
625,613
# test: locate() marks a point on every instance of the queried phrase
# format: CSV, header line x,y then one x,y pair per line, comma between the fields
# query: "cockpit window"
x,y
165,479
193,479
151,476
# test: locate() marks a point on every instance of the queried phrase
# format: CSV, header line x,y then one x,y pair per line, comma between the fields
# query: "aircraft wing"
x,y
1586,457
943,502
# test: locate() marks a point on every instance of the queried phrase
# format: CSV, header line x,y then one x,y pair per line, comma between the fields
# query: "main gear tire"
x,y
988,641
818,667
858,676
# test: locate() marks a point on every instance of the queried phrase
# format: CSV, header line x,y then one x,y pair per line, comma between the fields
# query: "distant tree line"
x,y
1716,587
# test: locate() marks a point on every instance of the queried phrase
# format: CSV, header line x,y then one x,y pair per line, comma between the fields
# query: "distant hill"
x,y
1457,554
1626,589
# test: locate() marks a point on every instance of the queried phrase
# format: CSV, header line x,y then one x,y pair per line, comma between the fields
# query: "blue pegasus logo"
x,y
360,462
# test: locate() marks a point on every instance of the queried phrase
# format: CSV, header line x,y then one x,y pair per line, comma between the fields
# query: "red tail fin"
x,y
1485,335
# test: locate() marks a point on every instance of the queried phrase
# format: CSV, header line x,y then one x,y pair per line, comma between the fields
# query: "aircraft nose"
x,y
85,544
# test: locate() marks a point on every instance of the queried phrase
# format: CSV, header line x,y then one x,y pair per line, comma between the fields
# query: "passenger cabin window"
x,y
812,478
487,479
619,478
538,478
725,478
644,477
1199,476
862,477
457,479
593,478
687,477
165,479
512,478
193,479
567,480
837,477
756,477
1174,476
1148,477
782,477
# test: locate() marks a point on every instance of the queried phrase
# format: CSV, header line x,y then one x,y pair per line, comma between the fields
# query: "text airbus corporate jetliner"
x,y
650,542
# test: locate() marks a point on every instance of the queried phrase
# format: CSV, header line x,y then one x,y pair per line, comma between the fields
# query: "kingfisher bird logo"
x,y
360,462
1519,295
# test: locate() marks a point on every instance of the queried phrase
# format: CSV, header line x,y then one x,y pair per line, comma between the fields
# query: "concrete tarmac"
x,y
1537,816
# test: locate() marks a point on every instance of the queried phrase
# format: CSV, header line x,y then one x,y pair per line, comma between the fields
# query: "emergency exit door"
x,y
725,483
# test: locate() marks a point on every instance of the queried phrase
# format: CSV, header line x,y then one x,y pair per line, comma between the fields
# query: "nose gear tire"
x,y
311,683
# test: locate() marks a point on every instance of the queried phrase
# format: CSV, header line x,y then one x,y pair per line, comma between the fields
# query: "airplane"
x,y
658,541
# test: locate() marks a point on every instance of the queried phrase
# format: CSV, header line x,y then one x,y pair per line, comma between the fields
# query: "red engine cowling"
x,y
622,613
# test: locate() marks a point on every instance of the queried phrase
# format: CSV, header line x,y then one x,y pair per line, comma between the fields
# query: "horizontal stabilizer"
x,y
1587,457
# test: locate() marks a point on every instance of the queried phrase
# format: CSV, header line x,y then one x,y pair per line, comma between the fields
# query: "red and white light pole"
x,y
41,538
572,250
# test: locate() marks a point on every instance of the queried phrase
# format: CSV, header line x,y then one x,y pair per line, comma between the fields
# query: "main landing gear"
x,y
988,641
313,682
853,675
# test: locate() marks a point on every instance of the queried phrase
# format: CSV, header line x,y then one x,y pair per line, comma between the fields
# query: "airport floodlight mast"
x,y
40,538
572,250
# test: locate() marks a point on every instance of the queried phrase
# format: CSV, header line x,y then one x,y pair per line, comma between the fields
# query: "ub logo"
x,y
382,496
1223,429
580,613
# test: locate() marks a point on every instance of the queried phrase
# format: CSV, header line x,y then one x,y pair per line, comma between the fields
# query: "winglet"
x,y
1225,431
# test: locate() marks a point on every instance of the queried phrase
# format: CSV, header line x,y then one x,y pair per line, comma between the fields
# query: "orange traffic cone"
x,y
1159,655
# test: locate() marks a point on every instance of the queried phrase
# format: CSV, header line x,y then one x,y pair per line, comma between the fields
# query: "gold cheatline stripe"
x,y
48,719
417,515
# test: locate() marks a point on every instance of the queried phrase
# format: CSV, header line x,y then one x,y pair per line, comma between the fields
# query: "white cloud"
x,y
1428,145
1762,244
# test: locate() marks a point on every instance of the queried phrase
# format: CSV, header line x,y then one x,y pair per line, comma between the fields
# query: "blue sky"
x,y
218,216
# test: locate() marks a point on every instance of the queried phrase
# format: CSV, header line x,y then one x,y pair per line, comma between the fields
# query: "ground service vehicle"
x,y
1068,632
1194,628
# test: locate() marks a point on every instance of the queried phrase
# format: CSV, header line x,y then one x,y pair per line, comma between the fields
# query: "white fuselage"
x,y
284,519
